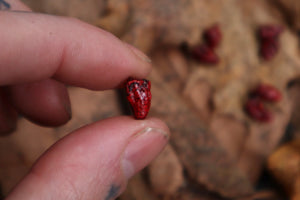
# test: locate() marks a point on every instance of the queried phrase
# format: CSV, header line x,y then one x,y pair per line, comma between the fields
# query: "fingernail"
x,y
142,149
138,53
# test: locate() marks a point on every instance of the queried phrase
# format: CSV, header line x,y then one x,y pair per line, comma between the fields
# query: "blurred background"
x,y
226,79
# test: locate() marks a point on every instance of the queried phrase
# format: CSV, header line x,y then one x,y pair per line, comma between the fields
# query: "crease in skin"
x,y
9,127
8,114
61,61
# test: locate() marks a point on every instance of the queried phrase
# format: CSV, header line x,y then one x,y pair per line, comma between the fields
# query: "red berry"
x,y
213,36
139,96
256,109
267,93
205,54
269,44
269,31
269,48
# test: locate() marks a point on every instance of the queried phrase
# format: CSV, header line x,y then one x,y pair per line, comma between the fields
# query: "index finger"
x,y
38,46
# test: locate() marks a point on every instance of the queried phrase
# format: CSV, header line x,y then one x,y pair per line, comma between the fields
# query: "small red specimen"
x,y
256,109
269,40
205,54
139,96
213,36
267,93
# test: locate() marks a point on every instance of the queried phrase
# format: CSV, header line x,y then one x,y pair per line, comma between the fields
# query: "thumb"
x,y
94,162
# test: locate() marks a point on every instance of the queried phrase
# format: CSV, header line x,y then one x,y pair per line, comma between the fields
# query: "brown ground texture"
x,y
216,150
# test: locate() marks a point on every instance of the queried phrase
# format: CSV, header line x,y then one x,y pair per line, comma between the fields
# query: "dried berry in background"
x,y
269,32
139,96
267,93
269,40
256,109
205,54
254,105
269,49
213,36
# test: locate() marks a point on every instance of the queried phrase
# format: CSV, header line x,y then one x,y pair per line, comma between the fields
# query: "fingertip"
x,y
69,50
90,161
103,61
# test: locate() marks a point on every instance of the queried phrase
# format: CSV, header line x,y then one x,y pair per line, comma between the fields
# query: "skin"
x,y
43,53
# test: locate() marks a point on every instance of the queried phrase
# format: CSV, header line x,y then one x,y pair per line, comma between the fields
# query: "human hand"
x,y
40,53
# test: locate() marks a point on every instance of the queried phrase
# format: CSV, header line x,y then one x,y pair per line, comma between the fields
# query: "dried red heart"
x,y
139,96
256,109
205,54
269,40
267,93
213,36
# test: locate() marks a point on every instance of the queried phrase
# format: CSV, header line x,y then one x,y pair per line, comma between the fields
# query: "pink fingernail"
x,y
142,149
139,53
